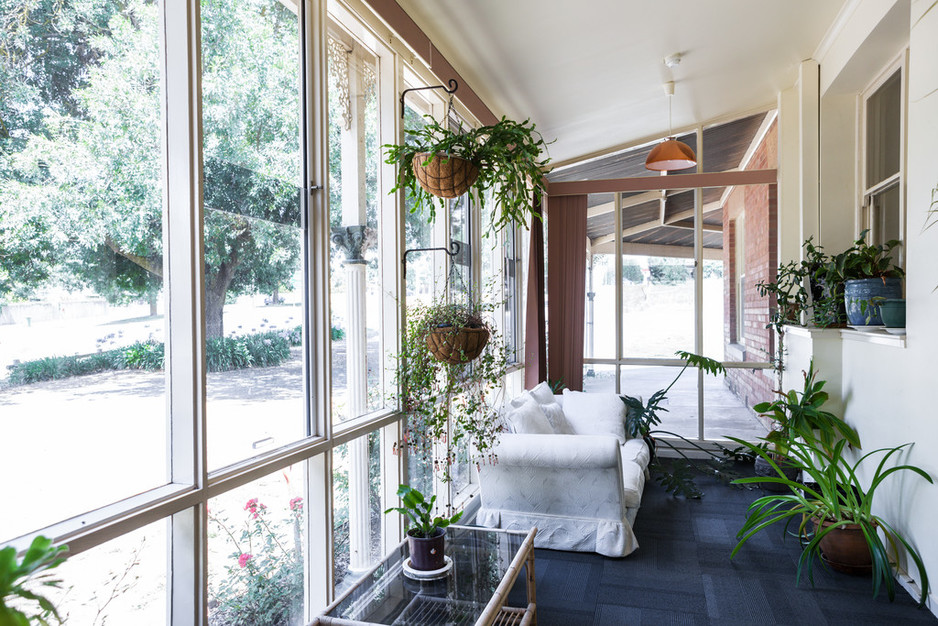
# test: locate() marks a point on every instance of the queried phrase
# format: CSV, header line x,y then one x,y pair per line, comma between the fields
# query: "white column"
x,y
354,214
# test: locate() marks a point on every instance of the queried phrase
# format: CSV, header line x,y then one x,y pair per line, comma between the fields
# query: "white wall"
x,y
891,392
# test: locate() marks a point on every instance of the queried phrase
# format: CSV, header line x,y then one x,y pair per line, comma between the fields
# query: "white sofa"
x,y
567,467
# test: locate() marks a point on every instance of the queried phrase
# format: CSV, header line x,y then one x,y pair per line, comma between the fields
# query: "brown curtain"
x,y
566,288
535,329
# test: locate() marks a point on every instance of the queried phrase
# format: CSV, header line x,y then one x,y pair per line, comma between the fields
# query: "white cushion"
x,y
595,413
529,419
542,394
633,479
558,422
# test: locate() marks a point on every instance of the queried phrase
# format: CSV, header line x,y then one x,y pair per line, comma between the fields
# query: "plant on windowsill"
x,y
436,162
677,475
452,401
20,580
426,536
869,272
833,512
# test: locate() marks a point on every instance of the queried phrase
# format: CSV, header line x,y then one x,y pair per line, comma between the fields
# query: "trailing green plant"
x,y
419,511
263,585
433,393
507,153
21,581
831,491
791,297
677,475
801,415
827,286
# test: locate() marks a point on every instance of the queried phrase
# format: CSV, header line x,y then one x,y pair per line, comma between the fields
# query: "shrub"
x,y
337,334
145,355
668,274
632,273
267,349
227,353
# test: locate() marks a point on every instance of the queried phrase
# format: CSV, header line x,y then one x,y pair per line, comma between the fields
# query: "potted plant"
x,y
870,274
427,535
447,398
677,474
833,512
19,577
799,415
437,162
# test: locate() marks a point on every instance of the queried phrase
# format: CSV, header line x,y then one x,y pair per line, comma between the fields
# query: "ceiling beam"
x,y
648,249
676,181
638,229
642,198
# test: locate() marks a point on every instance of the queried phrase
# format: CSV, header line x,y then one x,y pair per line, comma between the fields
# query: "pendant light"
x,y
670,154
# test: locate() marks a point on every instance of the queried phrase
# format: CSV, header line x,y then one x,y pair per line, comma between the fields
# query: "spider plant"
x,y
832,492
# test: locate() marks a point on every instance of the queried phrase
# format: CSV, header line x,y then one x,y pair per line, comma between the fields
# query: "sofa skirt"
x,y
607,537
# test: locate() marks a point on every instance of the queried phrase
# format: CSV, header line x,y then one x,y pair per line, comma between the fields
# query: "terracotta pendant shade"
x,y
670,155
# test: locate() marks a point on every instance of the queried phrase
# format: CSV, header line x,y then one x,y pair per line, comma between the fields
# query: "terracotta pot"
x,y
426,553
457,346
444,176
845,549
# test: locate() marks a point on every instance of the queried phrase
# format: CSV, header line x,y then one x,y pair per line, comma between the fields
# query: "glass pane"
x,y
123,581
885,214
256,539
728,403
658,313
355,270
599,336
358,512
253,274
418,233
681,402
81,244
883,132
599,378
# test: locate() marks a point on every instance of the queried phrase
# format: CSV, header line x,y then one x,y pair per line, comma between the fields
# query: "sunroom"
x,y
206,277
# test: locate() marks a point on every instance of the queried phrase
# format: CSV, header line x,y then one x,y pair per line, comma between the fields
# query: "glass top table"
x,y
486,565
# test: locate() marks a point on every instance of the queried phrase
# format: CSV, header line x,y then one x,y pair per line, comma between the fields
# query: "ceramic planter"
x,y
893,313
845,549
862,298
426,553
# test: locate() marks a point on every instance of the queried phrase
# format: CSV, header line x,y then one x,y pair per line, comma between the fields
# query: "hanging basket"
x,y
457,347
444,176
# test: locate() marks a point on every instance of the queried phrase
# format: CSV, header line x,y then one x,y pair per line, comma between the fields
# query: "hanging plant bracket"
x,y
453,86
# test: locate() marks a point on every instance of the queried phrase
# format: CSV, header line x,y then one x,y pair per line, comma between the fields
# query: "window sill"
x,y
878,336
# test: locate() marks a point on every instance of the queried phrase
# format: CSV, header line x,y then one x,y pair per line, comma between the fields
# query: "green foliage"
x,y
20,578
800,415
433,392
791,297
831,490
507,153
337,333
420,512
144,355
642,420
863,260
632,273
668,273
264,583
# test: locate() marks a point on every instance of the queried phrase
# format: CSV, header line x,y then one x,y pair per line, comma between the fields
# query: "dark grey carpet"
x,y
682,574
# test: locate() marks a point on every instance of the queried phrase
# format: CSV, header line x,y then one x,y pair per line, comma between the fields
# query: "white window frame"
x,y
865,193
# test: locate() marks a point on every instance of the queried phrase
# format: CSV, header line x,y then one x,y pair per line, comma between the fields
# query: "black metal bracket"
x,y
452,251
453,86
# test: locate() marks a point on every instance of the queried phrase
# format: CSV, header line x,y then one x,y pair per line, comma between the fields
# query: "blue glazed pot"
x,y
862,309
893,313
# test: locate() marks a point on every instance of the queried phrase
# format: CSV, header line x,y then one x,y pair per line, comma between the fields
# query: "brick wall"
x,y
752,342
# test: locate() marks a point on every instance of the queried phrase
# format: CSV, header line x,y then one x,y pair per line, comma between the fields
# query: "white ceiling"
x,y
589,73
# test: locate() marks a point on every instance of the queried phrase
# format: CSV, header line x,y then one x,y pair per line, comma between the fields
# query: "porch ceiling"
x,y
589,74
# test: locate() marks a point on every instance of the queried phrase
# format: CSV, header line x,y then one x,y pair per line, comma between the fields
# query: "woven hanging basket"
x,y
457,347
444,176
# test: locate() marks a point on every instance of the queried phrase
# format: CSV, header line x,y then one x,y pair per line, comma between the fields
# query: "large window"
x,y
883,133
200,302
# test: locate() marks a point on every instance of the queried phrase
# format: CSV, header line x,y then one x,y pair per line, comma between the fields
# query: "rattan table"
x,y
486,566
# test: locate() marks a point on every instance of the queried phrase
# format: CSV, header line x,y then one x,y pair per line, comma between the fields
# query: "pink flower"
x,y
254,507
243,559
296,504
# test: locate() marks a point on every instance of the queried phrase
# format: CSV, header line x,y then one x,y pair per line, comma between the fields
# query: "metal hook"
x,y
453,86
